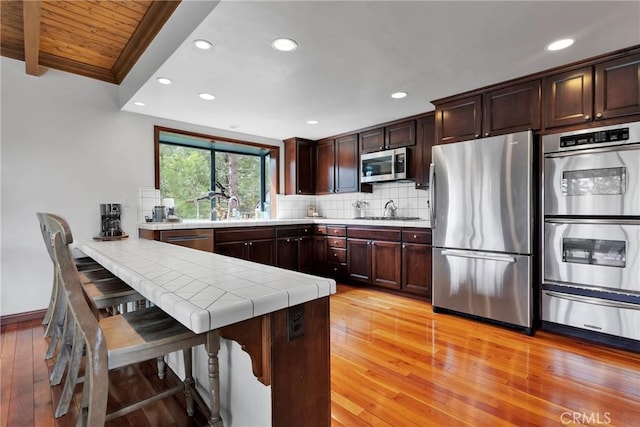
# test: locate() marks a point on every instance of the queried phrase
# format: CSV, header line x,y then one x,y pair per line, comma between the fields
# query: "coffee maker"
x,y
110,215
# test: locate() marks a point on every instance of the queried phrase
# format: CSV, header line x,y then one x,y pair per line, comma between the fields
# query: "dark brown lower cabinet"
x,y
255,244
416,261
416,269
373,261
359,259
385,264
305,253
287,247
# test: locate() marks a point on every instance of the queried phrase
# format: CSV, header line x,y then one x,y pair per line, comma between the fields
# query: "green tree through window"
x,y
192,168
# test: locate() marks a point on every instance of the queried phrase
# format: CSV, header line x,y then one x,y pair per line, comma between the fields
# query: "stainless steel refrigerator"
x,y
482,227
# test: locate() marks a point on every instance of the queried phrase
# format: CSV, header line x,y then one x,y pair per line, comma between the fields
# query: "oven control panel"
x,y
598,137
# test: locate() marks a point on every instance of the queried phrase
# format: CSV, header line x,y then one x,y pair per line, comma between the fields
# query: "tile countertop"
x,y
192,223
203,290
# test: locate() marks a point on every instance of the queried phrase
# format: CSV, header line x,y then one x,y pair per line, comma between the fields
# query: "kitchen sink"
x,y
386,218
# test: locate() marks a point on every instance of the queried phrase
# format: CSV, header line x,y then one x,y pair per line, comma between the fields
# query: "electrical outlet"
x,y
295,322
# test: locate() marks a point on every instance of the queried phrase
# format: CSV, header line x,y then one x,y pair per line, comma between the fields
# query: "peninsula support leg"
x,y
213,346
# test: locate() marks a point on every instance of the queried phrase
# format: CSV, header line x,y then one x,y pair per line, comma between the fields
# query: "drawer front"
x,y
389,234
198,238
305,230
336,255
320,230
337,242
245,233
416,236
336,231
609,317
287,231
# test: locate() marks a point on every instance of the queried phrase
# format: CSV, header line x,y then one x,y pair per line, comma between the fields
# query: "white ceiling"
x,y
353,54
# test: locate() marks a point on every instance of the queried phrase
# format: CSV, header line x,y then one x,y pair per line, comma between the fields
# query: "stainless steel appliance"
x,y
591,242
482,227
110,220
388,165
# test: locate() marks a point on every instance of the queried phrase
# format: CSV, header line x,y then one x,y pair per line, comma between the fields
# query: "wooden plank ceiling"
x,y
96,39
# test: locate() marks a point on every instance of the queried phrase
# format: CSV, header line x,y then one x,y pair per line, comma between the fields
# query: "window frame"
x,y
274,153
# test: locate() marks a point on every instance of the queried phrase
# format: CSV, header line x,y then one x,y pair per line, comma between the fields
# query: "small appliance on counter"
x,y
110,222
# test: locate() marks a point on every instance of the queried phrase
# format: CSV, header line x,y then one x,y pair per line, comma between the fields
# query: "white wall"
x,y
66,148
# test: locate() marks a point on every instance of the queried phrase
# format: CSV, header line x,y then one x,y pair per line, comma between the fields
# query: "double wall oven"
x,y
591,242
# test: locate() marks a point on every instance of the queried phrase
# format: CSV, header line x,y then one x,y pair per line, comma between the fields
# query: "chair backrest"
x,y
51,224
97,367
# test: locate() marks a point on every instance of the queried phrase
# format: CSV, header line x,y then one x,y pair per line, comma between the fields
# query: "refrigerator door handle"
x,y
476,255
432,192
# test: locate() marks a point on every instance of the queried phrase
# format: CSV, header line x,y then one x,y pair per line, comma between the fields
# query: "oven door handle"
x,y
476,255
617,221
595,301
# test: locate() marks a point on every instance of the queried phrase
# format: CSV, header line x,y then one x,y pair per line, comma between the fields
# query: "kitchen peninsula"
x,y
279,317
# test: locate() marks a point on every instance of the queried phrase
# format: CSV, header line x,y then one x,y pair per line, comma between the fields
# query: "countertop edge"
x,y
190,224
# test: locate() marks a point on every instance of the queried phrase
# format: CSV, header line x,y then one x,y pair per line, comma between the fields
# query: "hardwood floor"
x,y
393,363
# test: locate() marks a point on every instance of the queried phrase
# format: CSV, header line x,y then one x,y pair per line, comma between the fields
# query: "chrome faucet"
x,y
390,209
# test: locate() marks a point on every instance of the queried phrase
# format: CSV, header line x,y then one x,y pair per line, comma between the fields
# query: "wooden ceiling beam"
x,y
31,21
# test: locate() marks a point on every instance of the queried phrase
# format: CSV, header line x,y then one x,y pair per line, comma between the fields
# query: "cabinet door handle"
x,y
487,134
250,243
599,116
587,118
246,244
404,246
415,236
477,135
382,148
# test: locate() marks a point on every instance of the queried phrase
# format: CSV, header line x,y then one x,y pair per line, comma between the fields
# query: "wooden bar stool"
x,y
108,293
104,291
116,341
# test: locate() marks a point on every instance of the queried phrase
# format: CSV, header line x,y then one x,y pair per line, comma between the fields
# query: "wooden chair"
x,y
116,341
105,291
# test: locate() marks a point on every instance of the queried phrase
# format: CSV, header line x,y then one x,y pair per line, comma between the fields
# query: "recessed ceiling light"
x,y
207,96
398,95
312,122
202,44
560,44
139,103
284,44
164,80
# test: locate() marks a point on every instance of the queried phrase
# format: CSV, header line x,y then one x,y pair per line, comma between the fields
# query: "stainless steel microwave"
x,y
388,165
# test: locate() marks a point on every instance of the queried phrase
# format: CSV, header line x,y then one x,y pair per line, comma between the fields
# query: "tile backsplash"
x,y
147,199
409,201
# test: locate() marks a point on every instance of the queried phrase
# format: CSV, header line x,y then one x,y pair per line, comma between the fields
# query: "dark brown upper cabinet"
x,y
617,88
299,160
372,140
495,112
568,97
511,109
325,165
459,120
607,90
420,155
337,165
393,135
347,162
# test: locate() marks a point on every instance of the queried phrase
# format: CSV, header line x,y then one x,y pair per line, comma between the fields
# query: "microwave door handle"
x,y
432,192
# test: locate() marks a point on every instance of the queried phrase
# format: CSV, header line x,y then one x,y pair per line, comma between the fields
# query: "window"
x,y
211,178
